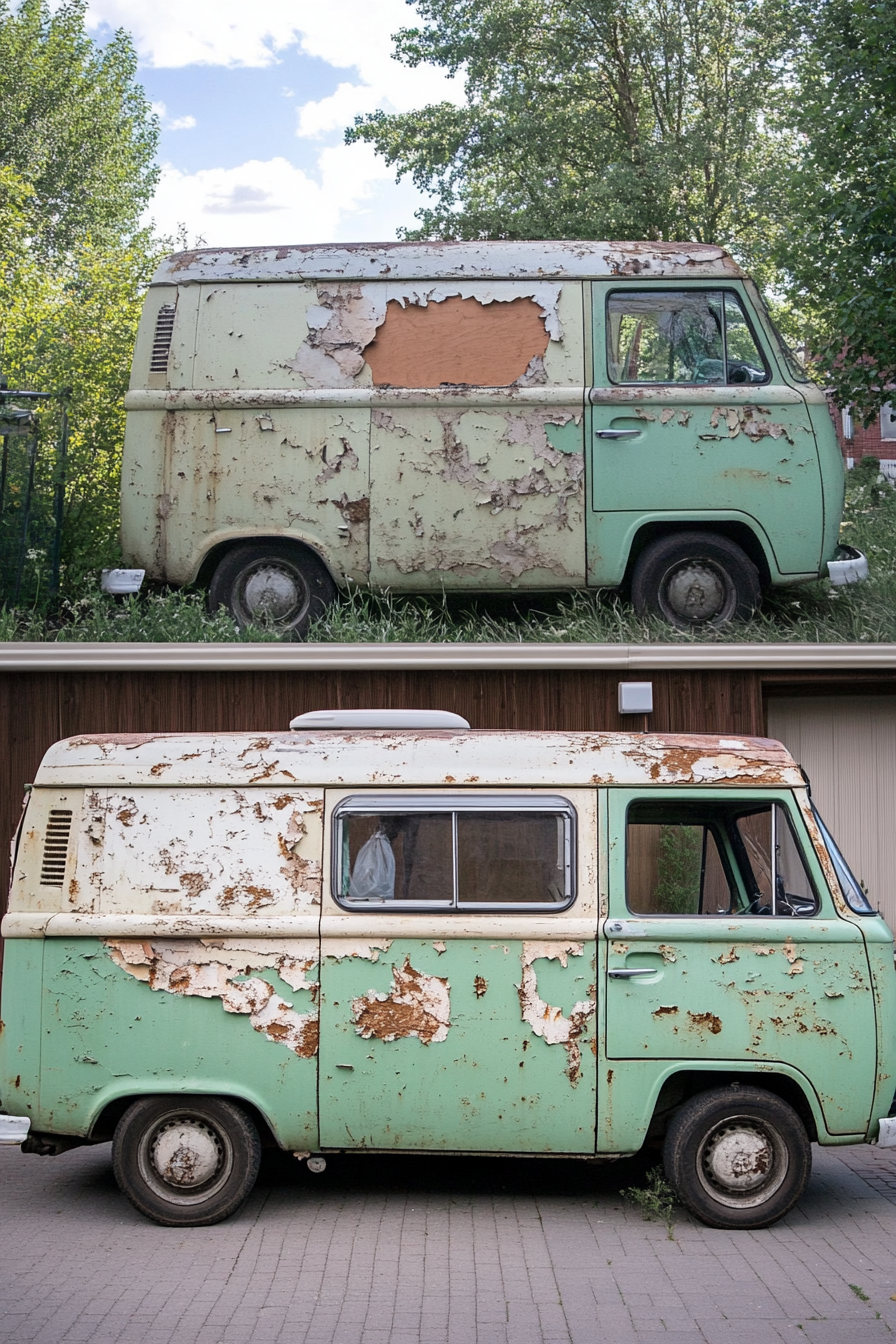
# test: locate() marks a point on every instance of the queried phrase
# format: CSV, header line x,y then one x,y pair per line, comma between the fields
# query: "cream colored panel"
x,y
847,745
61,833
251,852
247,335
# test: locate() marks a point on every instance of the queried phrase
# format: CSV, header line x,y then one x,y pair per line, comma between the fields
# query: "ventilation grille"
x,y
59,826
158,360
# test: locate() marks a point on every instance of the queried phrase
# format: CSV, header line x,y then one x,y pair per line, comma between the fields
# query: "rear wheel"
x,y
694,579
185,1161
737,1157
274,584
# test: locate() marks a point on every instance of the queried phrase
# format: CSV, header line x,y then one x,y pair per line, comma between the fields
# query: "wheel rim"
x,y
272,592
742,1162
697,591
185,1158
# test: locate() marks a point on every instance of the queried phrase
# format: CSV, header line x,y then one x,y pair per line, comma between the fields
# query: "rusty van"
x,y
383,931
477,417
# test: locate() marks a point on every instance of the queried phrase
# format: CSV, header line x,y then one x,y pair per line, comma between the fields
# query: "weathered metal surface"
x,y
318,759
428,261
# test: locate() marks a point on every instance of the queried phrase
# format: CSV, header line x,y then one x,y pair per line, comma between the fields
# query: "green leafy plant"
x,y
655,1199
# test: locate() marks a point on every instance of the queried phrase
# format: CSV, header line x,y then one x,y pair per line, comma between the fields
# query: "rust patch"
x,y
417,1005
665,1012
545,1020
457,341
194,883
159,769
727,957
353,510
480,986
126,814
74,890
705,1022
667,953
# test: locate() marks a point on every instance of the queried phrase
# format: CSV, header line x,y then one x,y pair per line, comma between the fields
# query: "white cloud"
x,y
172,123
275,202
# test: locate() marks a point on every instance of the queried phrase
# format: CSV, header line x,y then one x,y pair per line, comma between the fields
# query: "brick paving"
x,y
404,1250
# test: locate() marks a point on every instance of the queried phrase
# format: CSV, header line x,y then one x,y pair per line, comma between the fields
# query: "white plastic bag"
x,y
373,876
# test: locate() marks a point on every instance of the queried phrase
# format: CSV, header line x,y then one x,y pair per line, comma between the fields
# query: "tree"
x,y
598,118
839,248
74,125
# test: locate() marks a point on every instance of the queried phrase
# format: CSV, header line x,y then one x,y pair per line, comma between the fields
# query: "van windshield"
x,y
849,884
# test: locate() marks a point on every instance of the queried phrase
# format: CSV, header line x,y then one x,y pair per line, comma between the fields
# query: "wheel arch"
x,y
737,531
217,551
103,1125
683,1084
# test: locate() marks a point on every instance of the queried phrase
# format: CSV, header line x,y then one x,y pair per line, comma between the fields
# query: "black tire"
x,y
273,583
694,580
185,1161
737,1157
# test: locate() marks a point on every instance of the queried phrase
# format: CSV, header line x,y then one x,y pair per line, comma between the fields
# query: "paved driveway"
x,y
444,1251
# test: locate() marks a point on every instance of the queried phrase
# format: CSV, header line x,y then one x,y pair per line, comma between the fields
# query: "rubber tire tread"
x,y
322,589
704,1112
659,554
246,1152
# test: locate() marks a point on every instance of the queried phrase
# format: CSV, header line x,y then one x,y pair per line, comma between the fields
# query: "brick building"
x,y
878,440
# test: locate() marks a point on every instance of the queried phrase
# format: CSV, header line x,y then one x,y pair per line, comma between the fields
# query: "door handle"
x,y
629,973
617,433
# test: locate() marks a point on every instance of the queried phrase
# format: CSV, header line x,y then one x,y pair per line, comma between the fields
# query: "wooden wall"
x,y
36,709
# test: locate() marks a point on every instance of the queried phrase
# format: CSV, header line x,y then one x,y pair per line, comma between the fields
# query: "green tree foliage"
x,y
840,245
598,118
679,867
77,140
74,125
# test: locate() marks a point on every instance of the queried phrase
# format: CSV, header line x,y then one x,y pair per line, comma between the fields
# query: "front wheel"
x,y
185,1161
694,580
737,1157
272,583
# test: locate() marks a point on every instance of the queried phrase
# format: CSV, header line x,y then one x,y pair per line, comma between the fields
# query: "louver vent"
x,y
59,826
158,360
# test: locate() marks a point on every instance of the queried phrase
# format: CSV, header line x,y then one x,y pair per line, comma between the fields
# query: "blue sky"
x,y
253,101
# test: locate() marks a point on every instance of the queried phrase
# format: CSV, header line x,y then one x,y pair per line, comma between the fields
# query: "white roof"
x,y
438,261
414,758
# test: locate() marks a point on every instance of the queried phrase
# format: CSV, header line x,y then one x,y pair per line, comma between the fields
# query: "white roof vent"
x,y
335,719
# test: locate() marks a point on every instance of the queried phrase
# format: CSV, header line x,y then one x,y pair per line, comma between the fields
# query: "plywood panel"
x,y
847,744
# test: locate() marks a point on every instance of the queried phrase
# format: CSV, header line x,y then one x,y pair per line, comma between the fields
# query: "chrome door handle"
x,y
617,433
629,974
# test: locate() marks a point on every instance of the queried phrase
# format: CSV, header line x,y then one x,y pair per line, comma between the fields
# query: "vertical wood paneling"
x,y
847,744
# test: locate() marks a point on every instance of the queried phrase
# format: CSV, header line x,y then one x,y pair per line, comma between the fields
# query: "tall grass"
x,y
808,613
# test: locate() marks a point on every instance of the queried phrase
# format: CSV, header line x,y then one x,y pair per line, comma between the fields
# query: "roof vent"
x,y
336,719
161,345
52,870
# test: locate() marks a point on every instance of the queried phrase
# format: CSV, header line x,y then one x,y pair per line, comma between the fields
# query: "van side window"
x,y
436,854
715,859
681,336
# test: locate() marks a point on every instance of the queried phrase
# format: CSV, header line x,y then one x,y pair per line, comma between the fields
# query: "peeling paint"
x,y
219,969
549,1022
417,1005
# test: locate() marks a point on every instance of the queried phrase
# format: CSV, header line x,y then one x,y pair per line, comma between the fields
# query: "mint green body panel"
x,y
704,454
833,482
20,1037
491,1084
879,942
108,1035
792,992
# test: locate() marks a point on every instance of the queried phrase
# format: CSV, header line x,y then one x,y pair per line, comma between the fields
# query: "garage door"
x,y
847,744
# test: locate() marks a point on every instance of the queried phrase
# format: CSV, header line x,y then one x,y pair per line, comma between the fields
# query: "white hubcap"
x,y
740,1160
186,1155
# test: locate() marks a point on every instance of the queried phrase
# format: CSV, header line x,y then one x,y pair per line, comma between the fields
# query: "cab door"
x,y
458,972
724,945
692,421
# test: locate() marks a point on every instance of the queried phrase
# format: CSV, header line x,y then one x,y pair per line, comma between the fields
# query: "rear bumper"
x,y
849,566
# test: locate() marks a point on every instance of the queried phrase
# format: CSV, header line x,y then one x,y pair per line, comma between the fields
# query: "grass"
x,y
655,1199
809,613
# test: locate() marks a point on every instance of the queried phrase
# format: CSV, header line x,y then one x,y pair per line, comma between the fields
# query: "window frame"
x,y
360,804
725,291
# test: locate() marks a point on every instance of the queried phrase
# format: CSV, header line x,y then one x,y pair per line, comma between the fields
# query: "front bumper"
x,y
849,566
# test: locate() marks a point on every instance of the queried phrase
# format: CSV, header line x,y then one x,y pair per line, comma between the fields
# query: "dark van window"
x,y
444,853
715,859
681,336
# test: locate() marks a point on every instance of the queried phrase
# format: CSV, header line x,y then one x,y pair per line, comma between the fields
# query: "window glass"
x,y
680,336
452,857
856,897
714,859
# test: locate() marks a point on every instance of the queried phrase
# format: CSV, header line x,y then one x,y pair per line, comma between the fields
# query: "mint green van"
x,y
474,417
387,932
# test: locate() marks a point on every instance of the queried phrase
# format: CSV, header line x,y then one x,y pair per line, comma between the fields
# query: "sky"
x,y
253,100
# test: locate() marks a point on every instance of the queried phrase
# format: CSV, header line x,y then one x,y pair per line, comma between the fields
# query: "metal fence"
x,y
33,452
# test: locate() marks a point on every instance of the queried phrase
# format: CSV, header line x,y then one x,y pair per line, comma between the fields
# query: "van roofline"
x,y
438,261
412,758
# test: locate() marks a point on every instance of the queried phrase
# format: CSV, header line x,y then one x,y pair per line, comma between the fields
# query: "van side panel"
x,y
20,1035
129,1018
